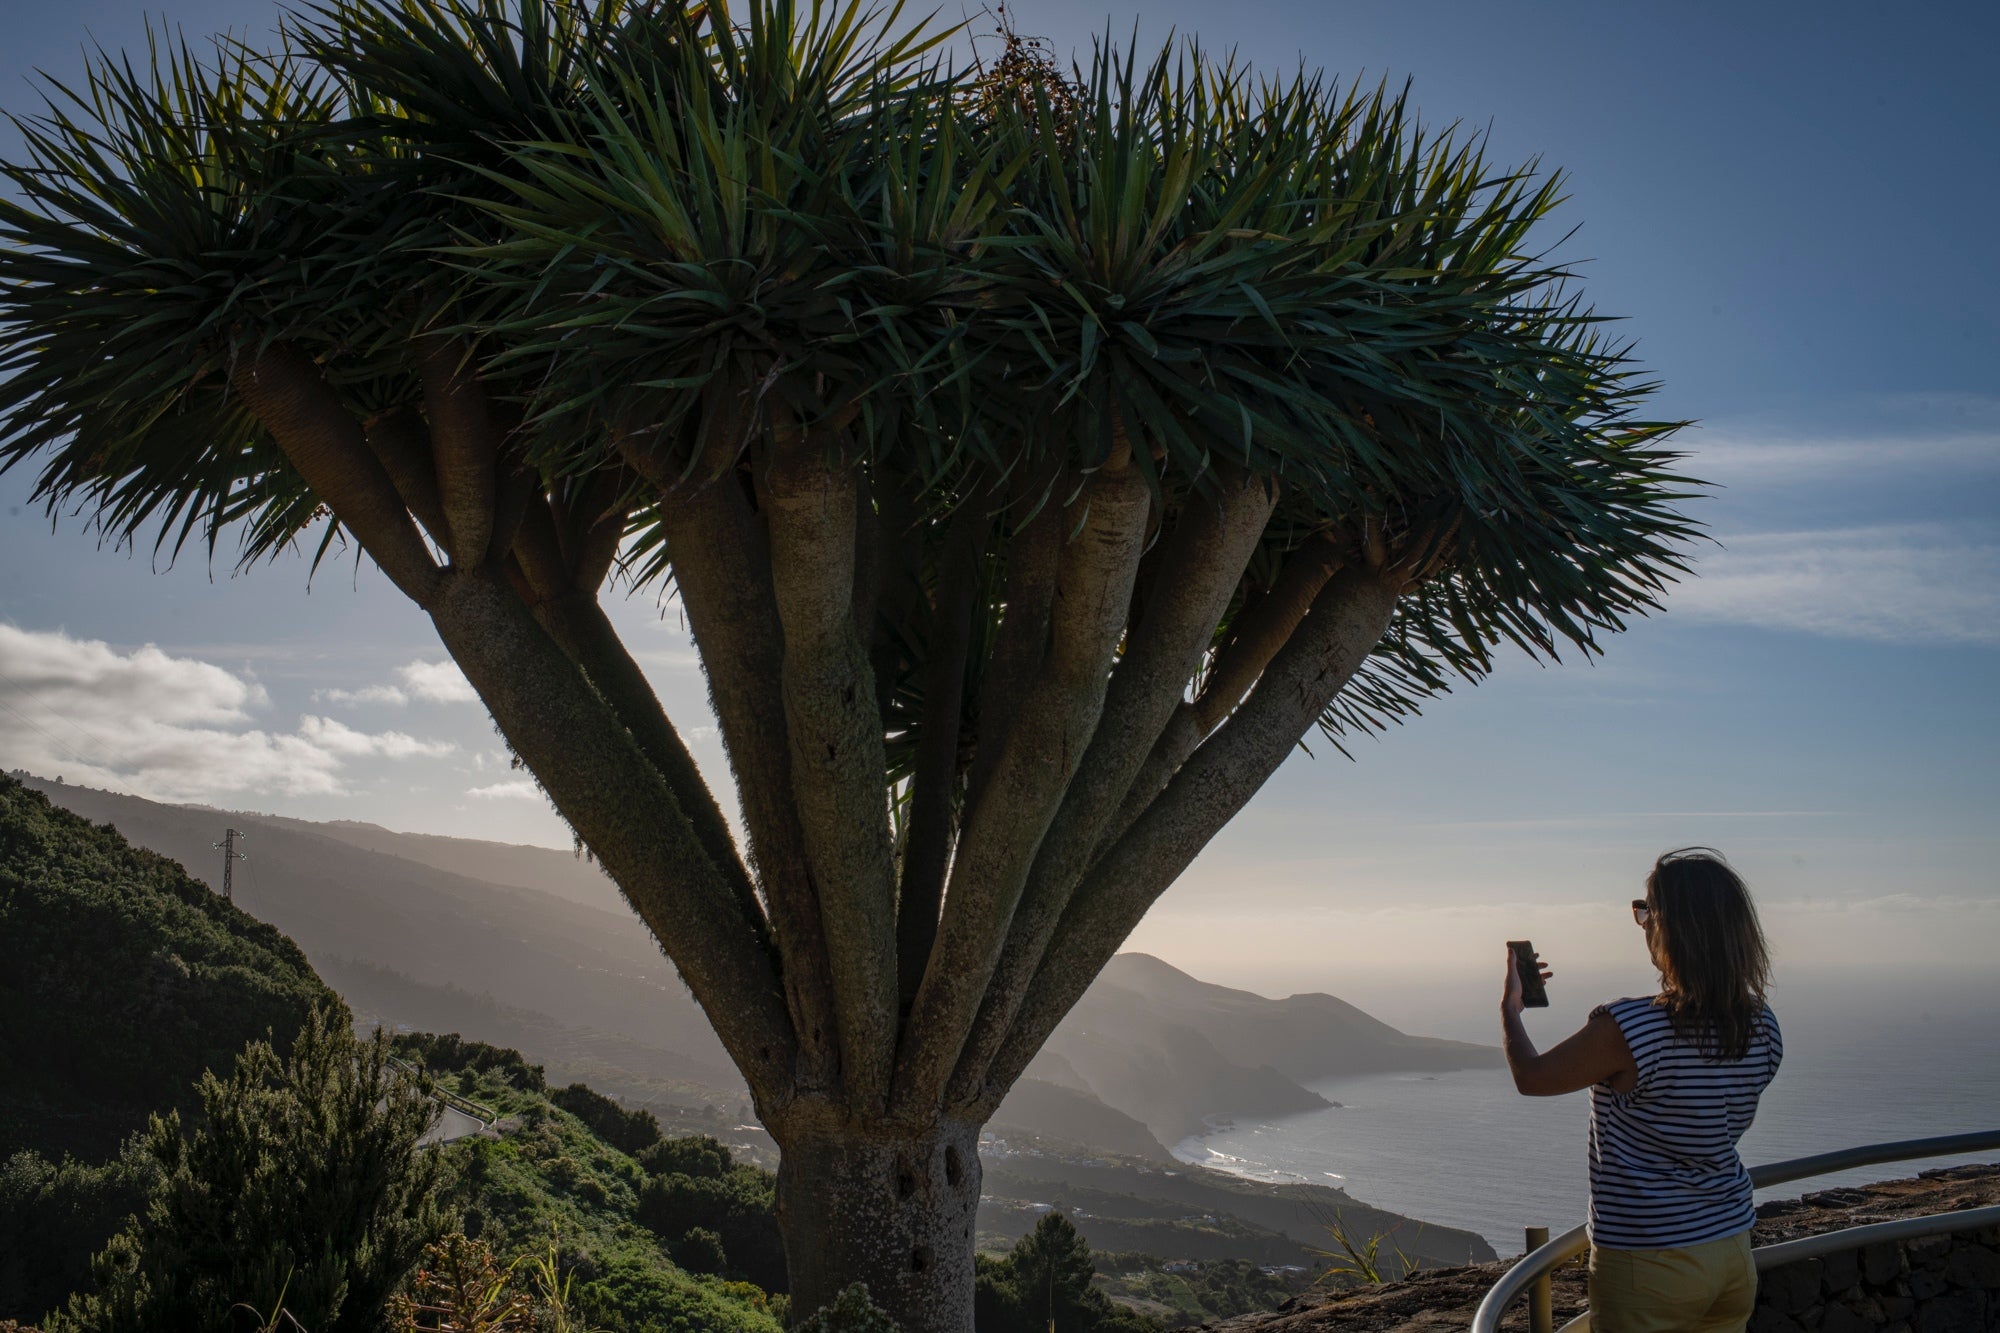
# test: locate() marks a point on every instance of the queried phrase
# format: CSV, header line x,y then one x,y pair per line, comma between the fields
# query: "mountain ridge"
x,y
538,951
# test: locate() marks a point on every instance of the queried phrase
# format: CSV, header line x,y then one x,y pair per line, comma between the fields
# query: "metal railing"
x,y
1535,1265
485,1115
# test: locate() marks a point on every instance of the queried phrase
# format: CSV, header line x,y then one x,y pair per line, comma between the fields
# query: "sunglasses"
x,y
1640,911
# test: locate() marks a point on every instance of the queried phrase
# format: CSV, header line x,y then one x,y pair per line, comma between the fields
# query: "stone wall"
x,y
1938,1284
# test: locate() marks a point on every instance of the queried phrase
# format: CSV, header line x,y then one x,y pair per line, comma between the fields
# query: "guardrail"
x,y
1536,1265
485,1115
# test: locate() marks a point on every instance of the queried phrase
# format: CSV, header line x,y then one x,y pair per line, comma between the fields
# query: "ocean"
x,y
1865,1062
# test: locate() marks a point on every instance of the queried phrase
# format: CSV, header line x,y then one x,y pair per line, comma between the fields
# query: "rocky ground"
x,y
1445,1298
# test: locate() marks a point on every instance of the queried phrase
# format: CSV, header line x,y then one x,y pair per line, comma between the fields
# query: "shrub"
x,y
462,1288
301,1190
699,1156
451,1053
55,1215
851,1312
122,978
696,1186
699,1250
631,1131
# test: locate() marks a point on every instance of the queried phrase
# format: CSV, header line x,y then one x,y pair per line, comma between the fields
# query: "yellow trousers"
x,y
1706,1288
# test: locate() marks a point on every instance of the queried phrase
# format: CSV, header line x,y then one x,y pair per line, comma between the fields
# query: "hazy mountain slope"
x,y
533,948
526,948
1051,1110
1150,1040
1306,1037
609,1060
121,980
565,874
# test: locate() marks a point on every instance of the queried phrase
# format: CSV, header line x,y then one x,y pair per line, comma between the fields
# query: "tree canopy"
x,y
1036,453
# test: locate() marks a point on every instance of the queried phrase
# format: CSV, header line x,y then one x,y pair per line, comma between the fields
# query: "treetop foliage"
x,y
696,226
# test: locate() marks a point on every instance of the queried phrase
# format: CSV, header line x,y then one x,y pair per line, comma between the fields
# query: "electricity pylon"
x,y
230,856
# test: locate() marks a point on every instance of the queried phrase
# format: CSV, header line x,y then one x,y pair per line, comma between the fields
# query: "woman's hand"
x,y
1510,995
1596,1053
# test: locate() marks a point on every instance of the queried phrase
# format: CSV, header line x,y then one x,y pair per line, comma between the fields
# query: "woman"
x,y
1674,1080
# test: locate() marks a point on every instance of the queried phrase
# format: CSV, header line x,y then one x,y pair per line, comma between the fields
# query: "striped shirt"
x,y
1664,1171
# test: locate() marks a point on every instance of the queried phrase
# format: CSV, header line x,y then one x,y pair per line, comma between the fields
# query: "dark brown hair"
x,y
1714,963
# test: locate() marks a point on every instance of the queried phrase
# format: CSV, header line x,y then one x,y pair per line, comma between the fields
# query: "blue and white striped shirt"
x,y
1664,1171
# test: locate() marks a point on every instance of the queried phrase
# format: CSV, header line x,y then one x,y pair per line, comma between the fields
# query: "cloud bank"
x,y
1907,583
166,727
430,682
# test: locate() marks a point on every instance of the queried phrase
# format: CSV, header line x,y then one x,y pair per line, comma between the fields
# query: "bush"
x,y
699,1250
628,1131
852,1312
301,1189
55,1216
699,1156
451,1053
462,1287
695,1185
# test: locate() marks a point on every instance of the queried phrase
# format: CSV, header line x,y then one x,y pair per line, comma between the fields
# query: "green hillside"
x,y
122,978
550,1174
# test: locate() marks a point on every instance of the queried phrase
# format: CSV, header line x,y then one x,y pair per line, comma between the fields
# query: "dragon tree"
x,y
1037,453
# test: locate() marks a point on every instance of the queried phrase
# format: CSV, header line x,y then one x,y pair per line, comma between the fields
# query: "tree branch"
x,y
1002,833
581,629
1033,557
927,850
1347,620
600,526
326,445
602,783
465,446
890,595
401,444
1198,571
1266,628
838,767
722,574
539,552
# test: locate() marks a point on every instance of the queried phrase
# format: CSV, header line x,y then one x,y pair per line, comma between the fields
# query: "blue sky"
x,y
1793,207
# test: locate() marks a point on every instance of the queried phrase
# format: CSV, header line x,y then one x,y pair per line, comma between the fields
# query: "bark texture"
x,y
898,1212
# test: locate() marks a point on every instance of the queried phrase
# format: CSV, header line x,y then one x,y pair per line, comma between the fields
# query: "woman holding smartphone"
x,y
1674,1080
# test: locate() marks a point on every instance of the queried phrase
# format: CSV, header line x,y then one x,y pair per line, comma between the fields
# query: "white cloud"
x,y
1937,435
438,682
1909,583
367,694
521,789
166,727
432,682
341,739
1738,460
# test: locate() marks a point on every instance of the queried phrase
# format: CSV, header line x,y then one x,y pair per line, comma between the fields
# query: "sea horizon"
x,y
1867,1061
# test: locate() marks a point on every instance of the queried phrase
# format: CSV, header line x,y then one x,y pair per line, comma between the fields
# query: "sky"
x,y
1791,207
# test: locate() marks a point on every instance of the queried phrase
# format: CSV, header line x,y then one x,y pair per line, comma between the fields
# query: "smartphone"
x,y
1534,995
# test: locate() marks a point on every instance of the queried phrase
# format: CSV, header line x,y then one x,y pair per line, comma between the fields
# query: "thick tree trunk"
x,y
896,1211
